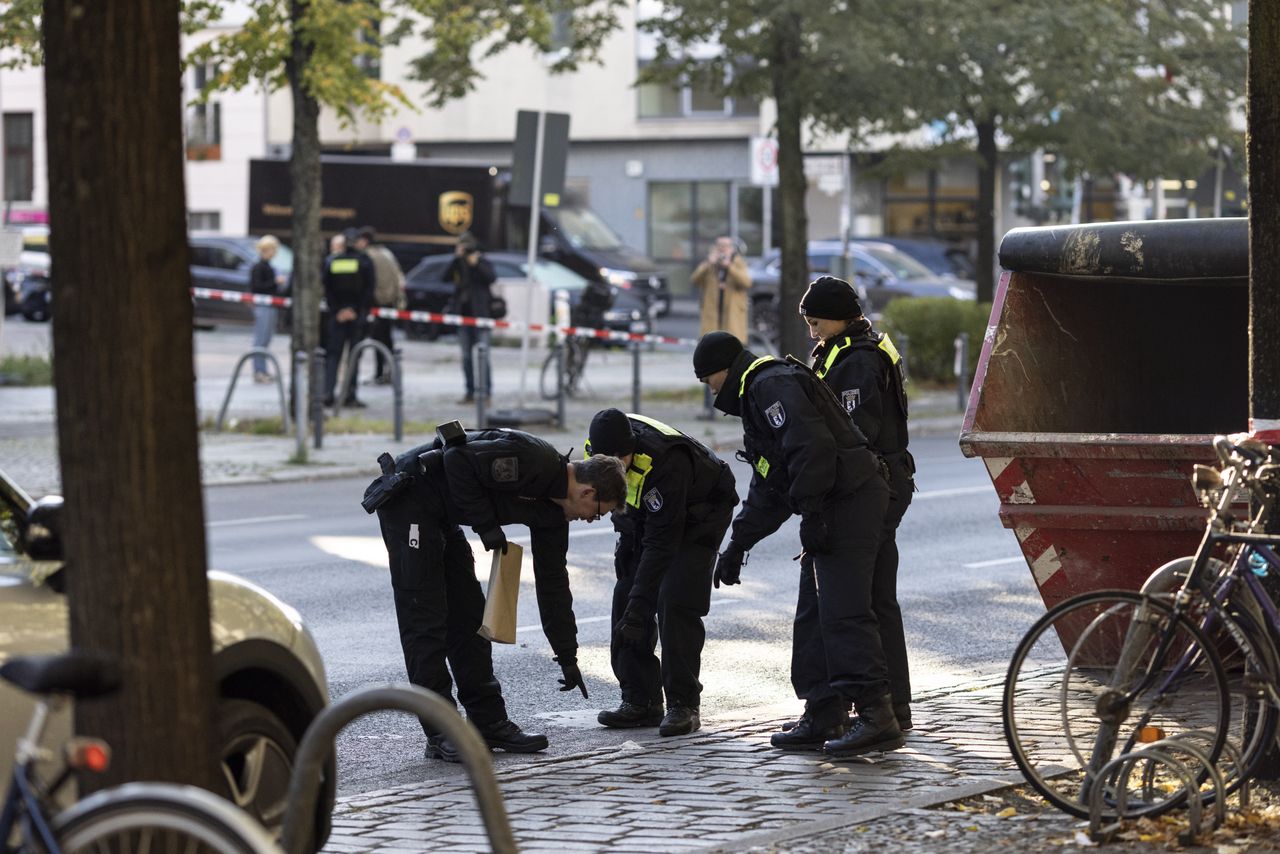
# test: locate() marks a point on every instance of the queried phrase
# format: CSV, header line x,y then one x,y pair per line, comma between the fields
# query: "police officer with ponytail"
x,y
864,370
680,500
809,458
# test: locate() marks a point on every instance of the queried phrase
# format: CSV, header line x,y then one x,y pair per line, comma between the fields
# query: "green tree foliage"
x,y
1141,87
20,33
925,330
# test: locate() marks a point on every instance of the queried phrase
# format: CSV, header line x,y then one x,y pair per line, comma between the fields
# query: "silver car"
x,y
270,677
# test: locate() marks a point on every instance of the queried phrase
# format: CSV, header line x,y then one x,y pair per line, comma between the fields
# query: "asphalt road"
x,y
965,591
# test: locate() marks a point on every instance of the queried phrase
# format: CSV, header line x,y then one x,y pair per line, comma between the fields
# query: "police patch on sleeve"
x,y
776,414
851,397
506,469
653,500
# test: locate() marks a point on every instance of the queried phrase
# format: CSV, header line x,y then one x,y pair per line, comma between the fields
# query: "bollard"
x,y
635,376
962,370
315,396
300,397
482,380
560,384
397,391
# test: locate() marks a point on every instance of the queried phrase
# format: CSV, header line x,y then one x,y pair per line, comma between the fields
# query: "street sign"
x,y
764,161
555,153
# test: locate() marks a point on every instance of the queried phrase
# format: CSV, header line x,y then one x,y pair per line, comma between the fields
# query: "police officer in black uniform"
x,y
680,500
348,292
864,370
809,458
484,479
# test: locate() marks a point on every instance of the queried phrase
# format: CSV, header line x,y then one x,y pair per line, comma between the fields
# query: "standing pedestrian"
x,y
810,459
348,291
388,292
680,499
472,277
264,281
864,370
490,479
724,281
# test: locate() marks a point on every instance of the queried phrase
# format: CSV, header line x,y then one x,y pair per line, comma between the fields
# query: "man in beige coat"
x,y
724,281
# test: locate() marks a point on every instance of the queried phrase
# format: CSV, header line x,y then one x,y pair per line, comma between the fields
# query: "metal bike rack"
x,y
397,380
235,377
318,743
480,373
1160,753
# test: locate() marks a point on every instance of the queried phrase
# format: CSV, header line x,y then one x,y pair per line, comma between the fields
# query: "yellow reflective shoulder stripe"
x,y
742,384
655,424
344,265
887,346
832,356
641,464
762,466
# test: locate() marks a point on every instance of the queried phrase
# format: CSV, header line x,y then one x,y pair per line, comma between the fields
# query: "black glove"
x,y
572,677
813,534
494,540
728,566
630,630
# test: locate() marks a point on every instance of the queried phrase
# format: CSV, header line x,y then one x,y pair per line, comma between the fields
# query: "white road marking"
x,y
1001,562
257,520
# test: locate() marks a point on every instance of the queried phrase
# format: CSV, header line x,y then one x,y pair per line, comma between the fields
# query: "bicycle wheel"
x,y
1098,676
575,361
547,380
158,818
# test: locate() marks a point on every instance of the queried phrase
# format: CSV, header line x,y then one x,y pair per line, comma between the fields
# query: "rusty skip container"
x,y
1114,353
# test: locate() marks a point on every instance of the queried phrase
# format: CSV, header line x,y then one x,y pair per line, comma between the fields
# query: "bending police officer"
x,y
492,478
864,371
809,458
680,500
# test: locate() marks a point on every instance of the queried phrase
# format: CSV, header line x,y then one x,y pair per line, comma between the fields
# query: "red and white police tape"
x,y
456,319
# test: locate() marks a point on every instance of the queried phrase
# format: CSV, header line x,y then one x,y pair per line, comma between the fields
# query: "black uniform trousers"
x,y
684,598
836,653
439,605
340,335
884,587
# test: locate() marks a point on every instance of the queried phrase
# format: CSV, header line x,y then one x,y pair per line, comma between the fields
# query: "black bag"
x,y
497,307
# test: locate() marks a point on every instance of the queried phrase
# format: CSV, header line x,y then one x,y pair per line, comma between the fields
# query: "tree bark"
x,y
785,56
125,381
988,163
1264,216
304,170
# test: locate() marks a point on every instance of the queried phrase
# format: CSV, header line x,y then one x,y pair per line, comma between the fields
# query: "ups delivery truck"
x,y
421,207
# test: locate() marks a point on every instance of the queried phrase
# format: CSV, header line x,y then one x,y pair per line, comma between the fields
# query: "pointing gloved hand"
x,y
813,534
494,540
630,630
728,566
572,677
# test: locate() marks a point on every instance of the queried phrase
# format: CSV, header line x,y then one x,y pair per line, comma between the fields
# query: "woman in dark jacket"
x,y
264,280
472,278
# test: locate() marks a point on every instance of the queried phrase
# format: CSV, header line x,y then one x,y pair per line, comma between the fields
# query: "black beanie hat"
x,y
610,433
830,298
715,352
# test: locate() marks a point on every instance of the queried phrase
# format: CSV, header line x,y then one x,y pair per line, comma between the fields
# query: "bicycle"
x,y
143,817
1190,656
574,350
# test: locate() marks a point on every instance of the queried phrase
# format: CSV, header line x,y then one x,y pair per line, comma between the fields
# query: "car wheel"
x,y
255,753
36,312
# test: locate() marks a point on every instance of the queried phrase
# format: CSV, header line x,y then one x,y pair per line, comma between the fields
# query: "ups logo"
x,y
455,211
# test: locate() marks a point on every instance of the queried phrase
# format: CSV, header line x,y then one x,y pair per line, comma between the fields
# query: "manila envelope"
x,y
499,623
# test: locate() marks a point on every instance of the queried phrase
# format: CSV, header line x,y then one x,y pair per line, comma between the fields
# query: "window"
x,y
204,220
695,98
19,157
685,218
204,121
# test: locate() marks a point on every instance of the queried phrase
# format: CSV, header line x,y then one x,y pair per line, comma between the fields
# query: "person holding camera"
x,y
724,282
472,277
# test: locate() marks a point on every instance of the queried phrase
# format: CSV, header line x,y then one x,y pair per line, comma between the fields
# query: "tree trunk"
x,y
304,170
1264,218
988,163
125,381
784,57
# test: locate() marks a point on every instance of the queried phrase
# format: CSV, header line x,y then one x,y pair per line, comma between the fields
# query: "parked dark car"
x,y
580,240
426,290
223,263
26,284
945,260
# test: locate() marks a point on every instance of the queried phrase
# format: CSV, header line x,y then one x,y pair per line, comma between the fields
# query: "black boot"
x,y
506,735
629,716
680,720
874,729
439,747
902,711
805,735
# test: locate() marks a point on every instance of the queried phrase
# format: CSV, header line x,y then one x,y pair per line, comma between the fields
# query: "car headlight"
x,y
618,278
961,293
